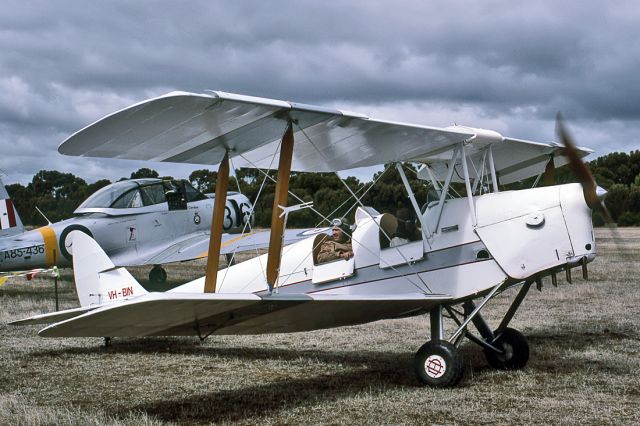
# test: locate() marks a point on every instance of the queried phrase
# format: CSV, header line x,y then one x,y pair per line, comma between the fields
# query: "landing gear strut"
x,y
157,275
439,362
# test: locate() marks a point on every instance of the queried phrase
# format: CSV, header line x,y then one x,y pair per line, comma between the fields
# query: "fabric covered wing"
x,y
186,127
514,160
173,314
198,128
53,316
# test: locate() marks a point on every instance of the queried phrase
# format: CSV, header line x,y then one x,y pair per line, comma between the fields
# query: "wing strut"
x,y
280,200
215,237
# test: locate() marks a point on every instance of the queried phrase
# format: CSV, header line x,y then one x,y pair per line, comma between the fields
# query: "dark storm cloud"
x,y
489,63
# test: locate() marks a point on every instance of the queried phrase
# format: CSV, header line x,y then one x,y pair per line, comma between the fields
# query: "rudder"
x,y
10,223
98,281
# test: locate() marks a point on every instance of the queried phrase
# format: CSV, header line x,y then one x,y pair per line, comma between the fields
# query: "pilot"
x,y
338,246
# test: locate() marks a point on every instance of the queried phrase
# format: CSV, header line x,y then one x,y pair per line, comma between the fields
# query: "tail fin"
x,y
98,281
10,223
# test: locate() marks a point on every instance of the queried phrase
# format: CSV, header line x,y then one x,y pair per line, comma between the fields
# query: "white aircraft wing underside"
x,y
48,318
195,128
198,128
175,314
515,160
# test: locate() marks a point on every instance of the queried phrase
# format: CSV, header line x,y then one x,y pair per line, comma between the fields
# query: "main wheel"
x,y
157,275
515,351
438,363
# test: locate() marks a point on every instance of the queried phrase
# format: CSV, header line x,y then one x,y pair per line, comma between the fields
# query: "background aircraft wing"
x,y
196,246
175,314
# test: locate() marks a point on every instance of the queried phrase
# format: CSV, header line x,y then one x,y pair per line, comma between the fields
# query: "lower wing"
x,y
174,314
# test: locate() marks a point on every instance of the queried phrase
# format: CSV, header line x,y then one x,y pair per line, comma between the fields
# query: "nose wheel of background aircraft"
x,y
439,363
157,275
515,350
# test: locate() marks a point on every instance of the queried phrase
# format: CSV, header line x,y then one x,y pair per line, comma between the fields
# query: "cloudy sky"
x,y
502,65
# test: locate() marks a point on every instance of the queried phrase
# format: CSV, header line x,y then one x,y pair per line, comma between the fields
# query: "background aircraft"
x,y
137,222
468,249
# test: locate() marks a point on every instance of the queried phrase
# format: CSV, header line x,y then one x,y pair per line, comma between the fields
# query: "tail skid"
x,y
10,223
98,281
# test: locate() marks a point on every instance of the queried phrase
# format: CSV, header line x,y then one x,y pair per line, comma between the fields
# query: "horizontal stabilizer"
x,y
180,314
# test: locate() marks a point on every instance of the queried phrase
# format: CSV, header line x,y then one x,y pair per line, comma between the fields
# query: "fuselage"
x,y
511,236
130,225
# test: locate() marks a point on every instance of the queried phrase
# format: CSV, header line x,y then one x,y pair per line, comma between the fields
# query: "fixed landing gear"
x,y
514,350
157,275
439,362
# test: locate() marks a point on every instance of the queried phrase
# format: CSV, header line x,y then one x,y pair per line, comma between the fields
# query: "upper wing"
x,y
199,128
174,314
515,160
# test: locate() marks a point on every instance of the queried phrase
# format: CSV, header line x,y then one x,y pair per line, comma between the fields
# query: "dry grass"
x,y
584,365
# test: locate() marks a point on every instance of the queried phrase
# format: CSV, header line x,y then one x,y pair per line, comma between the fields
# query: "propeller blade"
x,y
579,169
593,198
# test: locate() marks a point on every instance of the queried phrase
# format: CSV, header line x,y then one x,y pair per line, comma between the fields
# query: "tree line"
x,y
58,194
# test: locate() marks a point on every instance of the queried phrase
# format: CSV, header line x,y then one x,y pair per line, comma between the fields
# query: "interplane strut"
x,y
215,238
280,199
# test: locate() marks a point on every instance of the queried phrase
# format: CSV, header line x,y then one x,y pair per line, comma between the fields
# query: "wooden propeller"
x,y
581,171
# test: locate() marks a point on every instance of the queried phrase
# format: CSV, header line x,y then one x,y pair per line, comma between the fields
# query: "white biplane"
x,y
469,248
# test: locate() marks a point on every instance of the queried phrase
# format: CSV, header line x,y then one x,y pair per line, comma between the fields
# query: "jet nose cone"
x,y
601,193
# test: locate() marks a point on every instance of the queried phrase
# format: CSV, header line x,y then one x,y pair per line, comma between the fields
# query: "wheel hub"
x,y
435,366
507,352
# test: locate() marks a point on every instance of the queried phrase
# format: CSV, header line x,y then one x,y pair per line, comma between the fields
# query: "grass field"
x,y
584,366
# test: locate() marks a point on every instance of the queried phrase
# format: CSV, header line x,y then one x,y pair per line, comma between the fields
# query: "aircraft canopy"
x,y
137,193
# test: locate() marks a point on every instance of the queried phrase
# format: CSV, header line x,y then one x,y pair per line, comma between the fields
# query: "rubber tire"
x,y
453,363
516,347
157,275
